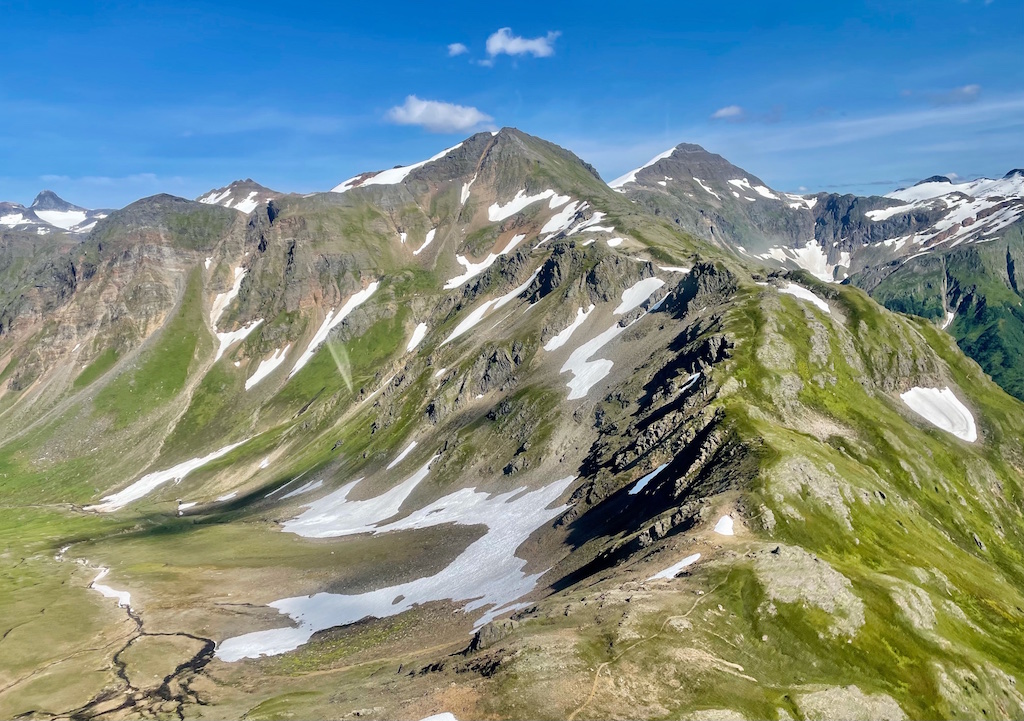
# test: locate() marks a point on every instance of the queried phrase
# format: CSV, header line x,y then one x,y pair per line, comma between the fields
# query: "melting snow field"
x,y
304,488
124,599
149,482
268,366
642,483
330,322
563,337
671,571
64,219
799,291
486,573
810,257
724,526
943,410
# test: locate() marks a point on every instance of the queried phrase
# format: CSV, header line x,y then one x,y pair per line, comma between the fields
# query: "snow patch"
x,y
124,599
222,300
268,366
701,184
587,373
151,481
799,291
225,340
943,410
642,483
63,219
478,313
417,336
392,176
401,456
724,526
486,574
426,241
465,191
475,269
304,488
671,571
563,336
636,294
498,212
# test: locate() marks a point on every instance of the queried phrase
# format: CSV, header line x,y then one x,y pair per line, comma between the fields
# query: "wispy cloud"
x,y
503,42
729,112
963,94
437,116
457,49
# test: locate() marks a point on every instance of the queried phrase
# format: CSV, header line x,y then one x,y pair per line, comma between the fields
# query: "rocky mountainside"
x,y
485,436
927,249
49,213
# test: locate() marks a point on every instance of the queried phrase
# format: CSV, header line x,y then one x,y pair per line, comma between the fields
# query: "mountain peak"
x,y
48,200
240,195
934,179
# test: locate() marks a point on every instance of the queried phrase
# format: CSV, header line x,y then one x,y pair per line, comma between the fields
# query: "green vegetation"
x,y
103,362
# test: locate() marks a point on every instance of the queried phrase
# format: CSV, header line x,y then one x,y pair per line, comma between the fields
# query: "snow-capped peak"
x,y
241,195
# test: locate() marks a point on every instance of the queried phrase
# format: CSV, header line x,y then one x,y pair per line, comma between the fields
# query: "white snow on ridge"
x,y
674,569
475,269
943,410
151,481
330,322
12,219
417,336
950,315
799,291
563,336
498,212
392,176
124,599
268,366
561,220
759,189
478,313
637,293
486,574
630,177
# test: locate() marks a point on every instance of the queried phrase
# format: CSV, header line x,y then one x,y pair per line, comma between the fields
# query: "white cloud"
x,y
456,49
504,42
729,112
963,94
436,116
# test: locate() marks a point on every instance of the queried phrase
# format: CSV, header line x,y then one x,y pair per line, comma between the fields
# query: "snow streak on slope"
x,y
637,293
330,322
562,338
268,366
225,340
426,241
674,569
124,599
498,212
487,573
221,302
642,483
943,410
630,177
475,269
799,291
418,335
389,177
478,313
150,482
587,373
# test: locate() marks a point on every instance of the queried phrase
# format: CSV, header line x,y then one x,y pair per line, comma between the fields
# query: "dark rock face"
x,y
48,200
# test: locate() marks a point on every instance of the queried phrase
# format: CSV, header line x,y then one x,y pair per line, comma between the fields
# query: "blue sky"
x,y
106,102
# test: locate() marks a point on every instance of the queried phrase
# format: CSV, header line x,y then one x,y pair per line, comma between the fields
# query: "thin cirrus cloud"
x,y
456,49
503,42
729,112
437,116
